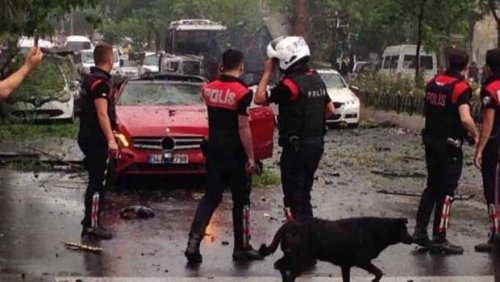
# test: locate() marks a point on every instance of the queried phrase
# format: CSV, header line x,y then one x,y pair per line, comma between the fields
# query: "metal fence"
x,y
409,104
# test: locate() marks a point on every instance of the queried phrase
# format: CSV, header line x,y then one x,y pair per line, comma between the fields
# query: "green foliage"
x,y
47,81
379,83
25,131
146,21
33,16
266,177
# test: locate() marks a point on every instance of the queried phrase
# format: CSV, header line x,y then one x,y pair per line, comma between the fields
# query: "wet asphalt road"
x,y
41,210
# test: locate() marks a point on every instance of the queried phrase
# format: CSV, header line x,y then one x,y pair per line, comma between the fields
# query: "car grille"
x,y
167,143
338,105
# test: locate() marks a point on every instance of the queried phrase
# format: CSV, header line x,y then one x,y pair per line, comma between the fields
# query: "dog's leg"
x,y
346,273
287,275
373,270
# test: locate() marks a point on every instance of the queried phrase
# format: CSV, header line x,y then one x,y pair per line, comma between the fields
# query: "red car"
x,y
162,121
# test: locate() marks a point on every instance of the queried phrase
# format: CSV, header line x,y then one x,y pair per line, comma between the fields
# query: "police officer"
x,y
96,138
304,105
230,157
8,85
447,123
487,150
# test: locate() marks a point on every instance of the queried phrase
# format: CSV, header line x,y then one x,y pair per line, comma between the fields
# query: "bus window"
x,y
394,62
387,62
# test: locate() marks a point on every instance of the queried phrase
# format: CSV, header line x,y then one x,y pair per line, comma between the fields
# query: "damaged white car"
x,y
48,93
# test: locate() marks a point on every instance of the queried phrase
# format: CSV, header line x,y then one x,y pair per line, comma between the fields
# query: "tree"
x,y
27,17
491,6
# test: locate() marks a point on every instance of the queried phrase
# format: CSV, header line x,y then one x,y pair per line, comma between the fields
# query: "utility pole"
x,y
71,23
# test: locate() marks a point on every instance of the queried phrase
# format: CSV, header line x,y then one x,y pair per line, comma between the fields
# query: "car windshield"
x,y
88,57
77,46
151,60
160,93
333,80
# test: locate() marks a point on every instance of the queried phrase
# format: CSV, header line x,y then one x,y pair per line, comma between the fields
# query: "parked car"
x,y
400,60
48,93
150,63
87,61
162,121
78,43
130,68
347,104
185,64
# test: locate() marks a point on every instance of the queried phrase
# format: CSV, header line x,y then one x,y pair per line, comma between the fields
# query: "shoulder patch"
x,y
292,86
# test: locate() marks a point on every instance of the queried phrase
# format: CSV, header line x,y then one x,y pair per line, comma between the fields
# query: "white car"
x,y
347,104
87,59
150,64
32,101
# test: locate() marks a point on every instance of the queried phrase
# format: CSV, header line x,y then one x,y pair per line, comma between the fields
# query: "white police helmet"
x,y
288,50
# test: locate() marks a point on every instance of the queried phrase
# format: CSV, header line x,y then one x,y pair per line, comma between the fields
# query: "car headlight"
x,y
65,97
352,102
122,140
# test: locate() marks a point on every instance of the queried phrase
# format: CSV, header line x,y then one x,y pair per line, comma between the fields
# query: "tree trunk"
x,y
493,8
420,20
301,15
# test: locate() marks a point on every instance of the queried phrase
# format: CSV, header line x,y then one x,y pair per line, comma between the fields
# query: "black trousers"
x,y
96,163
488,171
218,178
444,168
298,165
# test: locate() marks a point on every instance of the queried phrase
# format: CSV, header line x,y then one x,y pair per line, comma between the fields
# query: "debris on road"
x,y
459,197
139,212
60,164
82,247
403,174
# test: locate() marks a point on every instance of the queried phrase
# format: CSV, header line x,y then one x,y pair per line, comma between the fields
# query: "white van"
x,y
78,43
400,60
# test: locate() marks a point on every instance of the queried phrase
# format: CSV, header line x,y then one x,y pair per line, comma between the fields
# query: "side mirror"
x,y
75,84
354,88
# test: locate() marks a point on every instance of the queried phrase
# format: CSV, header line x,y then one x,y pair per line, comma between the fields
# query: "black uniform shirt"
x,y
96,86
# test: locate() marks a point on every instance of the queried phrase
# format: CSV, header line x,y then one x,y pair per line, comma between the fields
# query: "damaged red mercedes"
x,y
162,121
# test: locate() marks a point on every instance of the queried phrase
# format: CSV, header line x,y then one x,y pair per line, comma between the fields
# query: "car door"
x,y
262,124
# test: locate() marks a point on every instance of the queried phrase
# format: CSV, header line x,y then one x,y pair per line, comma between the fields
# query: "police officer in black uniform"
x,y
96,138
230,157
447,123
487,150
304,105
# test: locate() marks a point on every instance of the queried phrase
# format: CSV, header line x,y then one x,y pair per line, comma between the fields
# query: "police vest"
x,y
222,99
491,95
89,122
442,119
304,117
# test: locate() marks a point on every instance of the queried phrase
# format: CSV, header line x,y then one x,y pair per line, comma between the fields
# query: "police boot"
x,y
440,245
247,253
243,251
96,233
421,238
485,247
192,252
446,248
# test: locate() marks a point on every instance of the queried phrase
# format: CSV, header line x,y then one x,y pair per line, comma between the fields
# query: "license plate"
x,y
168,158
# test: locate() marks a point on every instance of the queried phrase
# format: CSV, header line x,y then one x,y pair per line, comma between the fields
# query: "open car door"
x,y
262,123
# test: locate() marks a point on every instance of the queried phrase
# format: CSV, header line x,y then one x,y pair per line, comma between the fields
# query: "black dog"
x,y
347,243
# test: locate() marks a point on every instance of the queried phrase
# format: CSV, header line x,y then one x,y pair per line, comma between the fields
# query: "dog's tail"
x,y
267,250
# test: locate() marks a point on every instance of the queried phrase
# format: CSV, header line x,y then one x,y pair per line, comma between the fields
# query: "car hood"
x,y
150,68
341,95
147,121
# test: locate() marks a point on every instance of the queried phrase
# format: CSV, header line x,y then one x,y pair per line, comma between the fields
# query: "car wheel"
x,y
354,125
